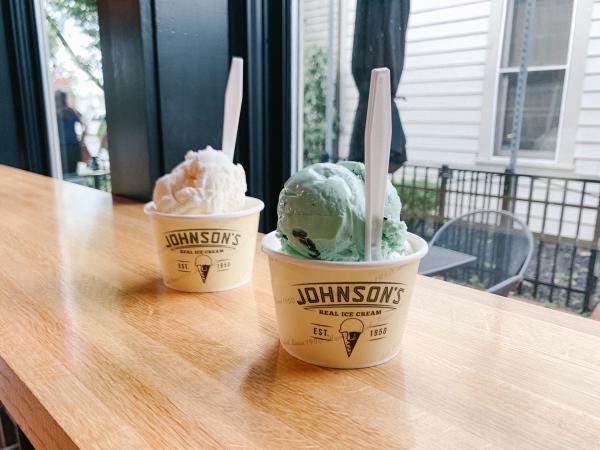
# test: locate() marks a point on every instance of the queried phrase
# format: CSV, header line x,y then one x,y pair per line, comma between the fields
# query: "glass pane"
x,y
541,113
320,76
75,69
549,37
339,45
440,94
315,98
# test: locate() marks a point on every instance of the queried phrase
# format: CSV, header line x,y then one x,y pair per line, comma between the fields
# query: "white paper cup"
x,y
206,252
342,314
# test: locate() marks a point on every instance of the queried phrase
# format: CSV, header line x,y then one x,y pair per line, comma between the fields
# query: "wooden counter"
x,y
96,353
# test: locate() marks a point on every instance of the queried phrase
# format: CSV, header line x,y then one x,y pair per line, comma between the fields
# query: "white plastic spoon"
x,y
378,139
233,105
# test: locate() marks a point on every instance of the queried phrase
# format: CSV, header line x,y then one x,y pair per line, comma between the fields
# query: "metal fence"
x,y
563,214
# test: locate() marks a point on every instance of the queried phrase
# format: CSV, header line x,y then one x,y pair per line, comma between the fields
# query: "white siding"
x,y
315,18
587,138
442,83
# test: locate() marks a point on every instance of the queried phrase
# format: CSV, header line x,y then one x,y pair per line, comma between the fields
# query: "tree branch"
x,y
80,63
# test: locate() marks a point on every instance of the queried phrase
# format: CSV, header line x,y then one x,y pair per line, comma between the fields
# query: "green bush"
x,y
315,104
419,201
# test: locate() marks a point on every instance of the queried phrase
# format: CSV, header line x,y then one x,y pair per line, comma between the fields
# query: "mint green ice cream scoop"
x,y
321,214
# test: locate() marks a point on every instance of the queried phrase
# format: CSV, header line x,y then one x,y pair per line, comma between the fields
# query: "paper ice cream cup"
x,y
206,252
342,314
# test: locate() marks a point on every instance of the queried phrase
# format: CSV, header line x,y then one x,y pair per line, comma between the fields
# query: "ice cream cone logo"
x,y
351,330
203,263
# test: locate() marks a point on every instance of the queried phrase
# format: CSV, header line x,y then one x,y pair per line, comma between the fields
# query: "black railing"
x,y
99,179
11,436
563,214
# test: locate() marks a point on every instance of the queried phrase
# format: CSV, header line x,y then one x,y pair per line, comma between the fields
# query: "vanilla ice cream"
x,y
206,182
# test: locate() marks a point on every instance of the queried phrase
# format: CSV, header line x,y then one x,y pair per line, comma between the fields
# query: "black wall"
x,y
9,138
165,68
23,135
267,148
192,49
131,95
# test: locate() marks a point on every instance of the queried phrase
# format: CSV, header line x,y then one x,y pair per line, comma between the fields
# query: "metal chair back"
x,y
501,242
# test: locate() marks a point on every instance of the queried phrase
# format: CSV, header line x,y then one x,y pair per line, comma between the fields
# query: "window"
x,y
339,42
546,66
74,67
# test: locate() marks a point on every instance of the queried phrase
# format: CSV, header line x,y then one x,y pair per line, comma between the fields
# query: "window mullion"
x,y
534,68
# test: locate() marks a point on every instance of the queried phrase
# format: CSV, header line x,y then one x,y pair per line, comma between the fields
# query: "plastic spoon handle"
x,y
233,105
378,138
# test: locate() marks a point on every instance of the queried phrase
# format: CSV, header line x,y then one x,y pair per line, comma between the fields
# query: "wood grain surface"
x,y
96,353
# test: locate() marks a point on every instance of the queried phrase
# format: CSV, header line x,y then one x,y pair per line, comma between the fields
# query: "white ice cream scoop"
x,y
206,182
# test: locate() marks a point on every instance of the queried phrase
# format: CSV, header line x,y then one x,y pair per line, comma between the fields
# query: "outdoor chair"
x,y
490,249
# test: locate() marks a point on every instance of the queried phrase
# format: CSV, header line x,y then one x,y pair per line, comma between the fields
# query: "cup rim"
x,y
272,246
256,207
